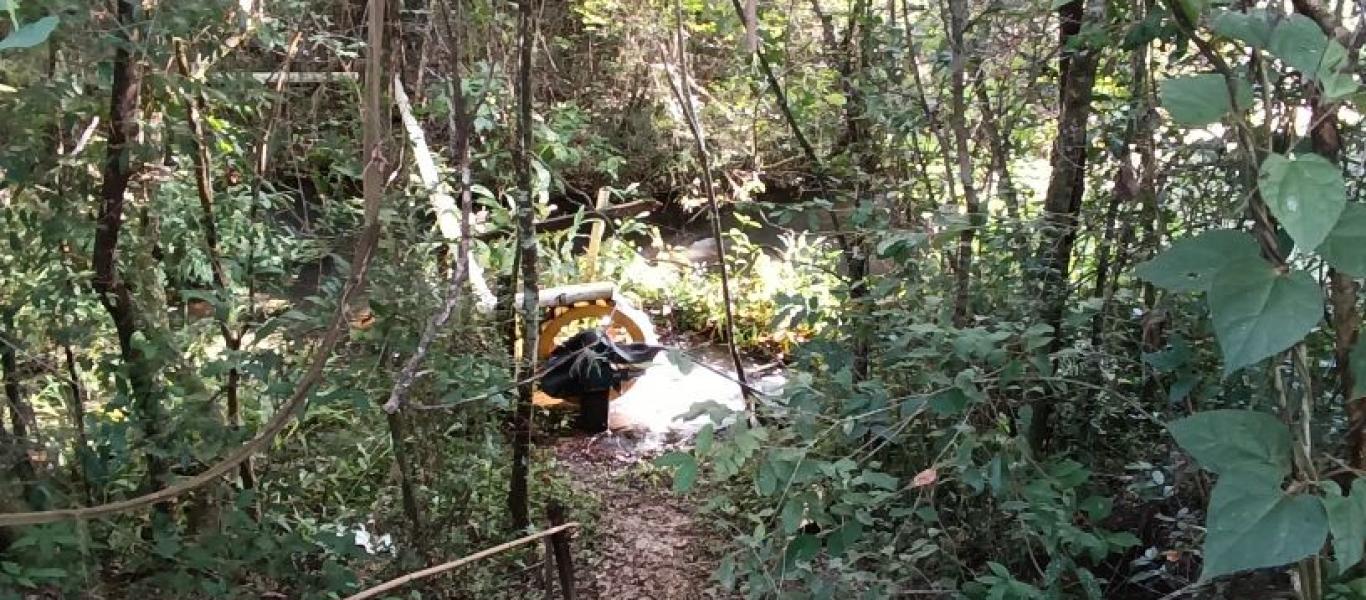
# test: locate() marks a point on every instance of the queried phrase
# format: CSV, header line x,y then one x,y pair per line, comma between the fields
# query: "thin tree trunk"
x,y
78,395
518,493
196,108
108,284
1066,187
684,97
20,412
958,23
998,142
1126,189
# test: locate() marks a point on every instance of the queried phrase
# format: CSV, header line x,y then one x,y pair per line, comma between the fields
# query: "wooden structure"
x,y
567,305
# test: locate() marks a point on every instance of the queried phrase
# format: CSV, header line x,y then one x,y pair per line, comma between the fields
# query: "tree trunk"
x,y
78,395
141,373
518,494
958,23
21,414
1066,187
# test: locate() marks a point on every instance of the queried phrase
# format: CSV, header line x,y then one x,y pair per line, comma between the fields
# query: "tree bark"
x,y
518,493
1066,187
78,395
114,294
958,23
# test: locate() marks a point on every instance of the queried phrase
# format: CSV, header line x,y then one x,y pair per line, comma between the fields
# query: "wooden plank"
x,y
569,295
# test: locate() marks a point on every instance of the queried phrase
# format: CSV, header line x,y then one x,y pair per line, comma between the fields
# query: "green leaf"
x,y
1235,441
793,512
1306,194
1192,8
1197,100
840,540
1257,311
1335,73
1347,522
680,360
685,469
804,548
1253,524
1252,28
876,479
705,437
1190,264
1298,42
1345,246
31,34
949,402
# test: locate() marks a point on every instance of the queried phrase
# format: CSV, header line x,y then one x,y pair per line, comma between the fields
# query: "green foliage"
x,y
1254,524
1345,246
1299,42
1252,27
1258,312
1236,442
1191,263
1197,100
1306,194
30,34
1347,522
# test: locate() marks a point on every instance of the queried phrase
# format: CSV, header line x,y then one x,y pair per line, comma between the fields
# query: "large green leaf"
x,y
31,34
1190,263
1236,441
1197,100
1335,73
1253,524
1252,28
1345,247
1306,193
1299,42
1258,311
1347,521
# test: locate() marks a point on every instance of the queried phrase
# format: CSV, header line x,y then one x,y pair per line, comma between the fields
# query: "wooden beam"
x,y
628,209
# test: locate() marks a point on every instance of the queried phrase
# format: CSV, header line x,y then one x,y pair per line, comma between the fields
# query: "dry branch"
x,y
442,568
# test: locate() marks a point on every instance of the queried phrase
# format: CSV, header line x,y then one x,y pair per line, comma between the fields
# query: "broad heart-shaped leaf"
x,y
1335,73
31,34
1347,522
1253,524
1190,263
1252,27
1299,42
1257,311
1197,100
1306,193
1228,442
1345,247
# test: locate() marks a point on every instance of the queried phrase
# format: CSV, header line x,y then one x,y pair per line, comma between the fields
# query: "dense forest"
x,y
981,299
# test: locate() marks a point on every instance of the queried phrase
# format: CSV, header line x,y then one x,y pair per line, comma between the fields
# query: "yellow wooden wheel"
x,y
623,322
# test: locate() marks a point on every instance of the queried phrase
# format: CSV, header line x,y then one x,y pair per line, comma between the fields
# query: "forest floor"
x,y
648,542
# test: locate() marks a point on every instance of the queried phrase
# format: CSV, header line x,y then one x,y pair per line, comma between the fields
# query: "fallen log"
x,y
605,215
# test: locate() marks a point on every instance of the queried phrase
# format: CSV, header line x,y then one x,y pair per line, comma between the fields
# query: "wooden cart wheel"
x,y
624,323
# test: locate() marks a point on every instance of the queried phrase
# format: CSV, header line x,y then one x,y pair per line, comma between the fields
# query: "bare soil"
x,y
649,543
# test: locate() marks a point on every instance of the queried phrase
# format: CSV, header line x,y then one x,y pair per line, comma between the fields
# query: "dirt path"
x,y
649,543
